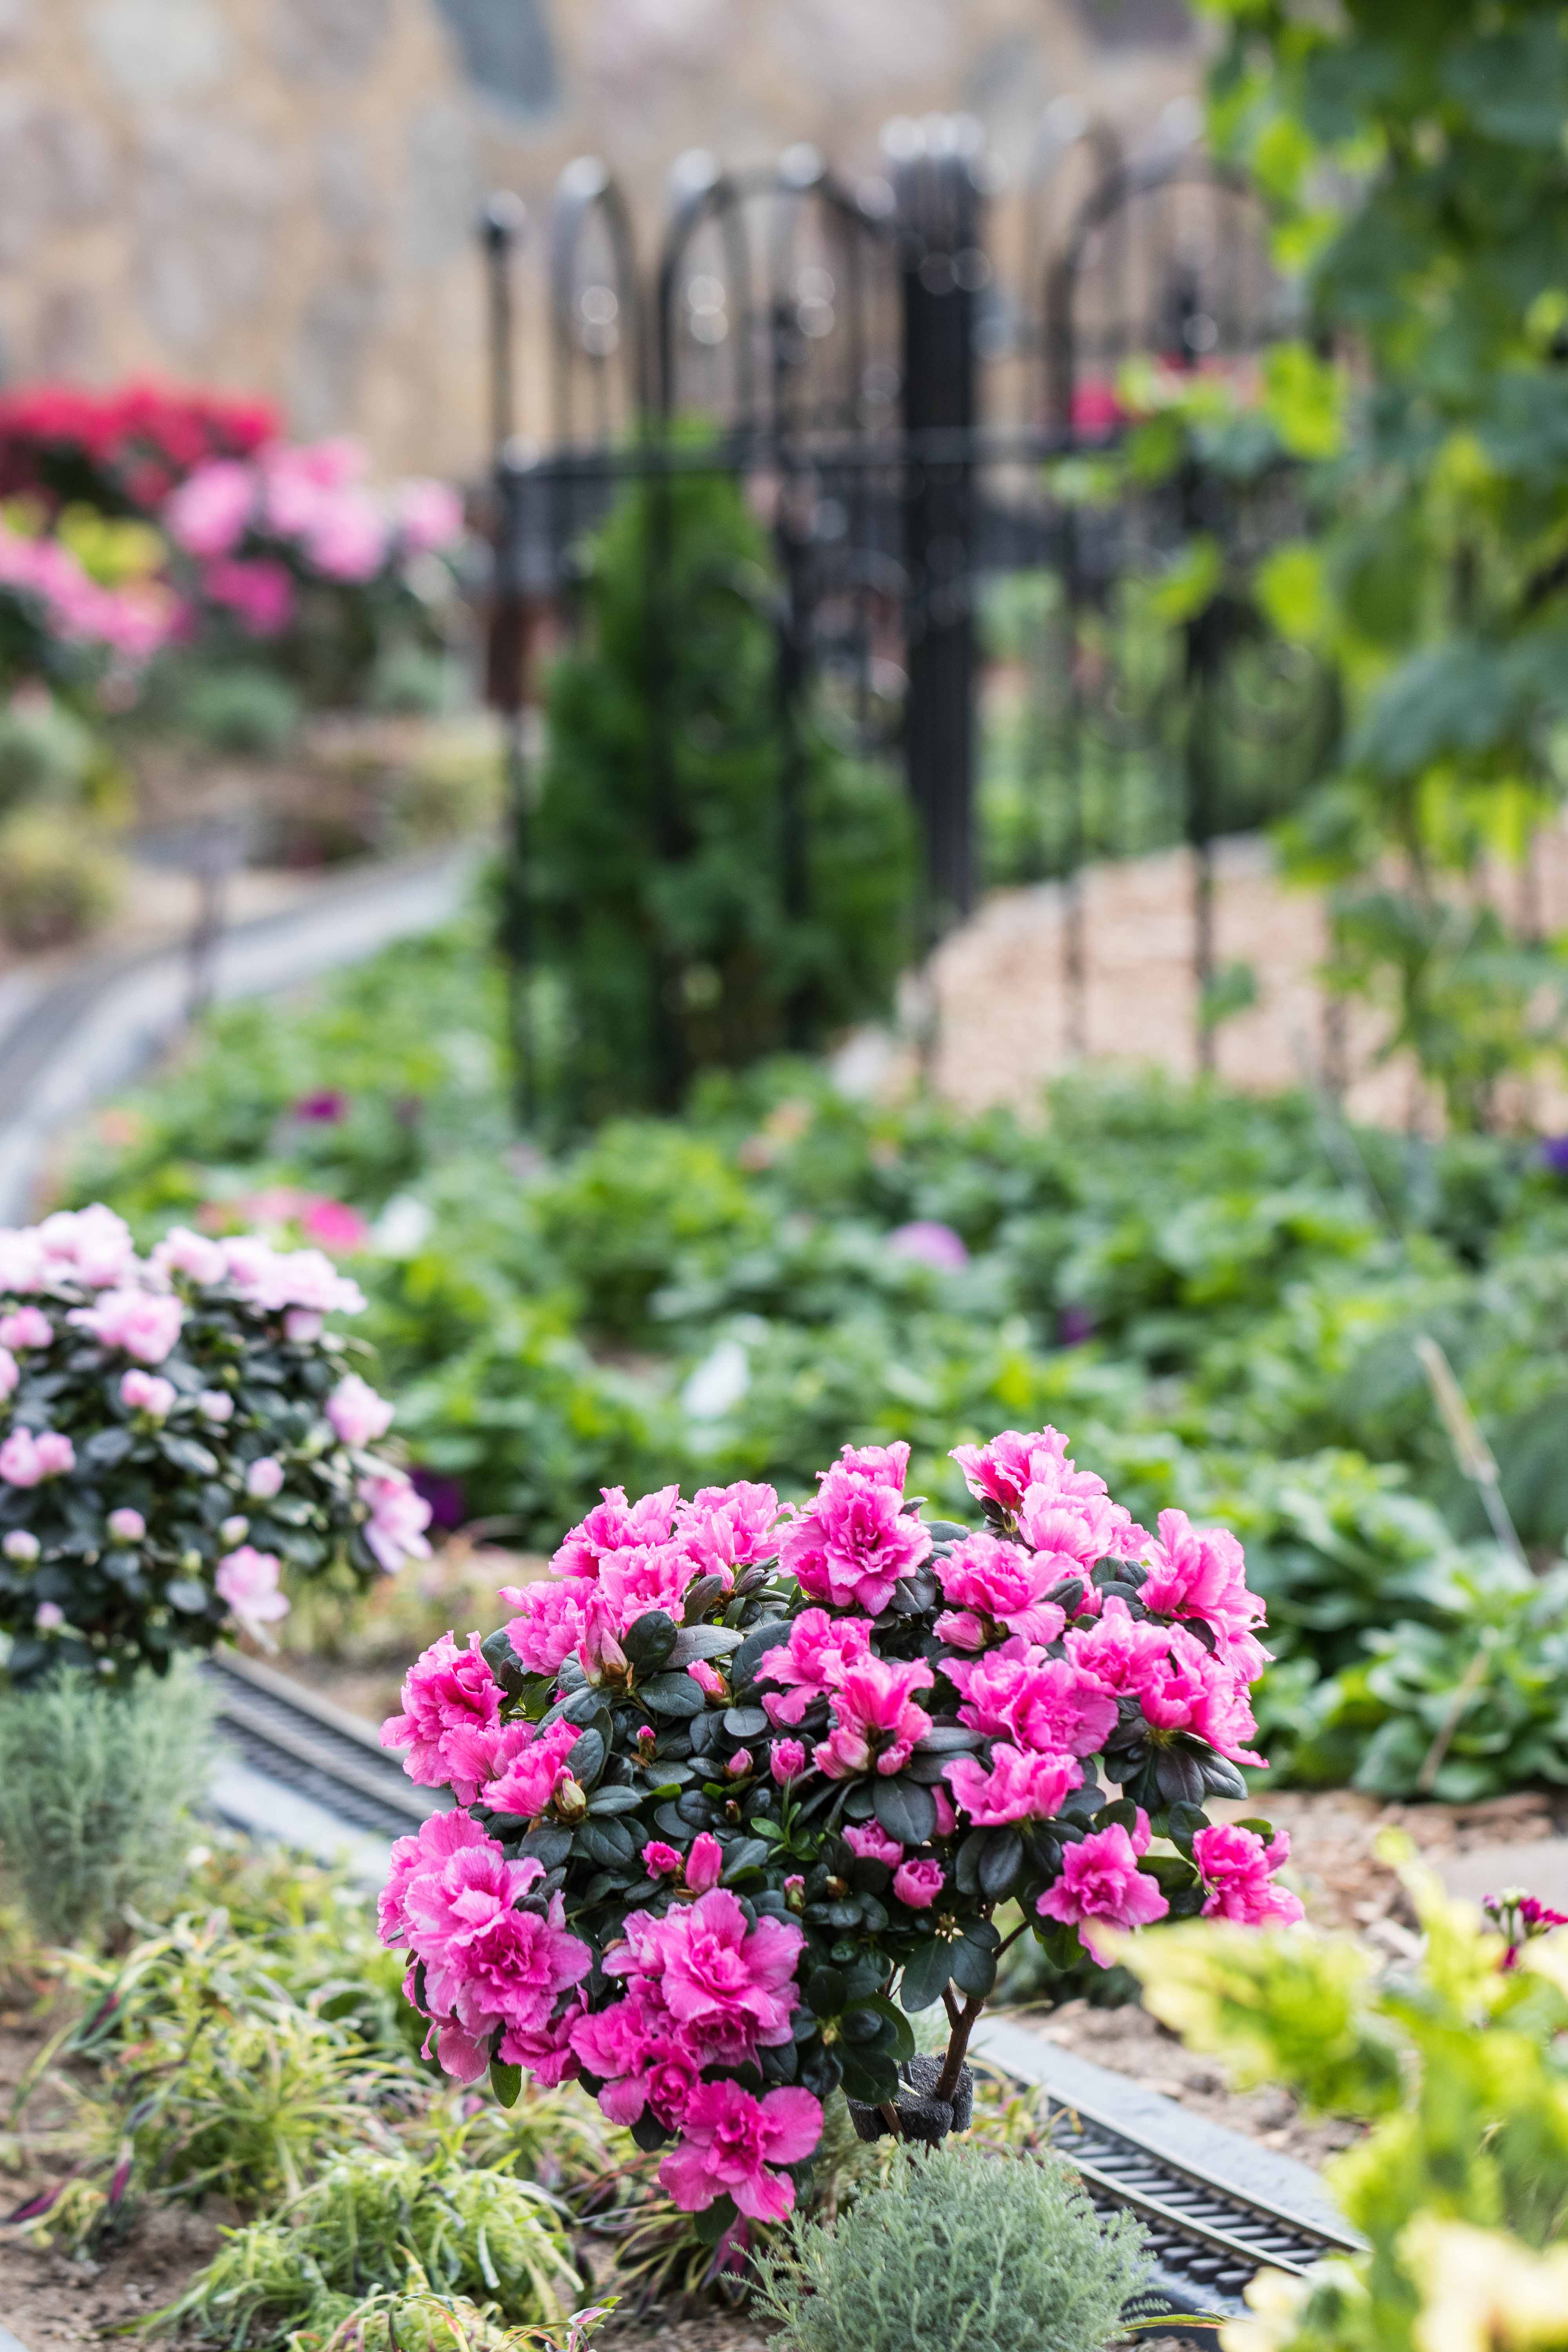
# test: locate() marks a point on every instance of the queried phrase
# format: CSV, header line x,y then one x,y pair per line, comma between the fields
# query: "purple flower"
x,y
1074,1326
323,1109
1554,1154
447,1500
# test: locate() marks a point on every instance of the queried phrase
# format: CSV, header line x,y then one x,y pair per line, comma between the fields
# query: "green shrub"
x,y
659,849
958,2250
45,753
387,2221
249,714
96,1787
58,881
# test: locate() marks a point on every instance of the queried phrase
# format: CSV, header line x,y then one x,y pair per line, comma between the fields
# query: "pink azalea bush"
x,y
740,1786
179,1434
258,532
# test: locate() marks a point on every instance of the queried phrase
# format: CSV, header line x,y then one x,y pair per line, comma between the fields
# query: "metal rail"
x,y
1208,2238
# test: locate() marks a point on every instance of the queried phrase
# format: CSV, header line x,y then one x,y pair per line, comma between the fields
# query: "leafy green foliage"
x,y
1459,2068
1413,164
1180,1276
95,1791
391,2221
661,849
959,2248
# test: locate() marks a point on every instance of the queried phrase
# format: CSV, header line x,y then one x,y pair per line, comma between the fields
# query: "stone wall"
x,y
278,195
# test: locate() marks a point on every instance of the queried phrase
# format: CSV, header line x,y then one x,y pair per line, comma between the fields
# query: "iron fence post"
x,y
940,267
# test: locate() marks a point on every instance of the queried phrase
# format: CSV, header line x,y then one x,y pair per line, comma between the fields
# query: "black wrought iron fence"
x,y
935,451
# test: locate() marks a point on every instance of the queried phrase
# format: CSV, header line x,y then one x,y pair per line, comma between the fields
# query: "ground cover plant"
x,y
176,1428
1201,1284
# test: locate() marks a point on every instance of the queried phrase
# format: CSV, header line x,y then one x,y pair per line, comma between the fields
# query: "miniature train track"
x,y
316,1750
1208,2238
1207,2241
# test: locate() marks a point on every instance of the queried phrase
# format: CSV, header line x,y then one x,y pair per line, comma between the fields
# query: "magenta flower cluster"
x,y
744,1785
176,1429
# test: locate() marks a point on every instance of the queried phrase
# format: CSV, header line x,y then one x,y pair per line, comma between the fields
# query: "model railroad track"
x,y
1206,2238
316,1750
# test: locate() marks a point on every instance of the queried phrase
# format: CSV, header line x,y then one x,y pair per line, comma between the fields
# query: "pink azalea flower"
x,y
334,1223
660,1861
875,1718
357,1414
1101,1882
201,1261
259,591
856,1543
348,537
487,1962
22,1544
876,1465
126,1525
1175,1681
1079,1527
993,1584
535,1766
704,1863
48,1617
550,1627
247,1581
1236,1867
728,2139
615,1525
93,1245
1199,1572
216,1406
148,1392
918,1884
140,1323
707,1678
723,1529
1018,1787
207,515
1003,1471
726,1981
27,1460
544,2049
446,1690
872,1844
27,1327
928,1242
814,1660
264,1478
787,1760
399,1518
1036,1701
429,515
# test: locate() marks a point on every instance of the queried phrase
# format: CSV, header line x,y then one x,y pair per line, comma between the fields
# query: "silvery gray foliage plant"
x,y
958,2250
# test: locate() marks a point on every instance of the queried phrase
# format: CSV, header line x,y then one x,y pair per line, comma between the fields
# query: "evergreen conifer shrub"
x,y
660,852
957,2251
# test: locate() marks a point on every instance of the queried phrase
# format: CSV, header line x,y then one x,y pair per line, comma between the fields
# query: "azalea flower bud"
x,y
21,1546
214,1405
570,1800
264,1478
739,1764
794,1891
127,1526
704,1863
707,1678
234,1529
48,1617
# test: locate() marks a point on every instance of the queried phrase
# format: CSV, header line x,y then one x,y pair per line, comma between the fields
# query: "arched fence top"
x,y
596,300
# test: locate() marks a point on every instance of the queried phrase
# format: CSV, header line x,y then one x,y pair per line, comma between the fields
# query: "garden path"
x,y
1002,1008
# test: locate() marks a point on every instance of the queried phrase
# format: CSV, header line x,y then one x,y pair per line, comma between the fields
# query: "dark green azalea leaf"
x,y
905,1810
648,1641
673,1695
926,1971
505,2082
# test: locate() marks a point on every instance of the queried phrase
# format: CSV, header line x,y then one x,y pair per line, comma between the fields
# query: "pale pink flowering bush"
x,y
225,1460
784,1767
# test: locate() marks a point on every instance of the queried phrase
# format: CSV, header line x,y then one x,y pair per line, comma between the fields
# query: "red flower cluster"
x,y
123,449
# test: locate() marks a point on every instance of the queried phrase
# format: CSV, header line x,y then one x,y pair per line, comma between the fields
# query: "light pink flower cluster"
x,y
131,622
1237,1871
308,502
494,1963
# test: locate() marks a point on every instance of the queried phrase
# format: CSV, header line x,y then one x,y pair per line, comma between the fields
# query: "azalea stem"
x,y
957,2047
953,2011
890,2116
1008,1941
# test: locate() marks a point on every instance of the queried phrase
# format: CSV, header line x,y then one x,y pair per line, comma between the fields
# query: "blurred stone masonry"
x,y
277,195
